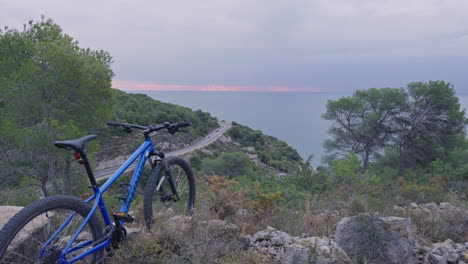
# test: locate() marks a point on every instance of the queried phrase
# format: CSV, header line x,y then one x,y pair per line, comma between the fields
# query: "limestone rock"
x,y
376,239
446,250
7,212
286,249
437,259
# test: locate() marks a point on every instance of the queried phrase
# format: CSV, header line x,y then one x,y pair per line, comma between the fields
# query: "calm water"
x,y
292,117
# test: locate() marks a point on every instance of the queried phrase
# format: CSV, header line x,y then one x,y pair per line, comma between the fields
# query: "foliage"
x,y
226,198
429,125
50,89
265,203
346,171
143,110
363,122
419,124
232,165
271,151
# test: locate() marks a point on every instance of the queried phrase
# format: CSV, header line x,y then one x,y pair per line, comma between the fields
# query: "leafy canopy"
x,y
50,89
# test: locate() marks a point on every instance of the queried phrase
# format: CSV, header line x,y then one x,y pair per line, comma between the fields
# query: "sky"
x,y
265,45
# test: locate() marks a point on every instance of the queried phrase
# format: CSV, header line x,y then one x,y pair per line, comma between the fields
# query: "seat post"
x,y
91,177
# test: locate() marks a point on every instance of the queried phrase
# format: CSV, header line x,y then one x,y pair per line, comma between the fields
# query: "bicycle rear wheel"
x,y
24,237
184,182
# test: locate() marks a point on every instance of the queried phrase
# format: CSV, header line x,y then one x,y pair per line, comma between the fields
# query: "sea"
x,y
292,117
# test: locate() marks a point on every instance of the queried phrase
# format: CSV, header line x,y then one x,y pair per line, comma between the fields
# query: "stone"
x,y
280,239
377,239
219,229
437,259
446,250
431,206
413,205
459,247
287,249
246,241
179,223
7,212
260,236
296,254
449,241
465,255
426,249
445,206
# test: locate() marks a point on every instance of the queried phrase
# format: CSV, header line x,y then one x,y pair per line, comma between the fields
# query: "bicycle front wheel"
x,y
158,188
39,232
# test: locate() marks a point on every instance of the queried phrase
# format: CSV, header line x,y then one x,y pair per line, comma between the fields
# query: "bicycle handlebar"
x,y
125,125
172,128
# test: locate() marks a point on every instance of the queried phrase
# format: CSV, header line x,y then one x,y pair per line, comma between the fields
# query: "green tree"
x,y
50,89
430,124
421,123
346,170
230,164
363,122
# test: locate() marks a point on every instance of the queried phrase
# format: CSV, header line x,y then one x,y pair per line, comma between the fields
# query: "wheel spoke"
x,y
36,225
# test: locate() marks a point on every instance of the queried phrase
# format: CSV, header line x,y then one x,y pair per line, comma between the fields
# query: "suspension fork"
x,y
160,189
172,184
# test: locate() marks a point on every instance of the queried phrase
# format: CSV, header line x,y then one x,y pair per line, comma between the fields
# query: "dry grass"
x,y
439,225
252,211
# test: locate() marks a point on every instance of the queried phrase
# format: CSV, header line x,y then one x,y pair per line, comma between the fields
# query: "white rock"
x,y
459,247
7,212
446,250
449,241
445,206
431,206
394,245
436,259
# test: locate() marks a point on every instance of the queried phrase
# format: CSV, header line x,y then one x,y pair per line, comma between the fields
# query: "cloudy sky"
x,y
266,45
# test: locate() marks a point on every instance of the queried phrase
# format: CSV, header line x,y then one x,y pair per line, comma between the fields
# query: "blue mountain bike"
x,y
65,229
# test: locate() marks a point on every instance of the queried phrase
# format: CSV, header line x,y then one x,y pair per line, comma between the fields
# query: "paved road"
x,y
224,126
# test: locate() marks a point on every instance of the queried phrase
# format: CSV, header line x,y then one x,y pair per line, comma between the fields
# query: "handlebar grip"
x,y
185,124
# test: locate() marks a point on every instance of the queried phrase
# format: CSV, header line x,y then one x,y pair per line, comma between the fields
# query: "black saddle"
x,y
75,144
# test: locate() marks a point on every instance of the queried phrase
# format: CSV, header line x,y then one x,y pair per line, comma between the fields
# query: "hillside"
x,y
394,183
143,110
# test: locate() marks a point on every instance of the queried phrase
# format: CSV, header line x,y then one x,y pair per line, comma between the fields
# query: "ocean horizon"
x,y
292,117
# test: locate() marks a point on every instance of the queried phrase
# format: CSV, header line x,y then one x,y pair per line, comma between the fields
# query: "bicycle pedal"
x,y
125,217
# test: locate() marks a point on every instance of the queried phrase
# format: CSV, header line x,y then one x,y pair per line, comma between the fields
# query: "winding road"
x,y
210,138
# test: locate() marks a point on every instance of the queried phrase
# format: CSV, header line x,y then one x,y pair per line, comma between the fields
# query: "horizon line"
x,y
139,86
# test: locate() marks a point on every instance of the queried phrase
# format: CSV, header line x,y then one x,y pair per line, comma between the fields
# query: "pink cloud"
x,y
138,86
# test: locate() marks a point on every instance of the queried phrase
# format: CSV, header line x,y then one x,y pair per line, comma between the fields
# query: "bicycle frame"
x,y
142,153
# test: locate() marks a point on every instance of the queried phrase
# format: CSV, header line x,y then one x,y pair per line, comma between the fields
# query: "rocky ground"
x,y
364,238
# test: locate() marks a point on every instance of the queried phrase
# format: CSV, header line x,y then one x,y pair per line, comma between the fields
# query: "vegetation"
x,y
50,89
142,109
421,123
271,151
230,164
389,146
